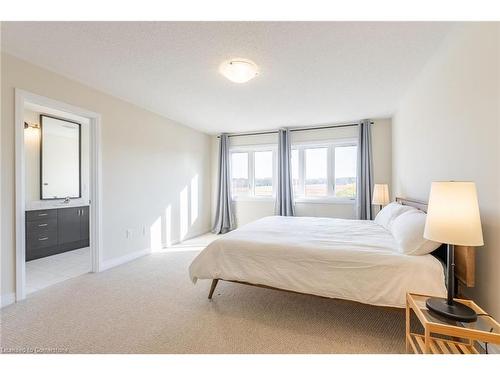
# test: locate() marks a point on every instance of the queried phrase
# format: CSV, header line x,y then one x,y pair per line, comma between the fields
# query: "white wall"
x,y
155,172
447,128
32,161
247,211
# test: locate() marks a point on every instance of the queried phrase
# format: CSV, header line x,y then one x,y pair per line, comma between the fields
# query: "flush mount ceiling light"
x,y
239,70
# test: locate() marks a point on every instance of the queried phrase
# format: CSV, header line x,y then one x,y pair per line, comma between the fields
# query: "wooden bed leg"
x,y
212,288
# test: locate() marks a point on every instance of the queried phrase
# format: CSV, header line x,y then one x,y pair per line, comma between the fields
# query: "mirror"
x,y
60,164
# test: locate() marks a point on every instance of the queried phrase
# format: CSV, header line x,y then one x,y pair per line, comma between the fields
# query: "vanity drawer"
x,y
41,225
43,239
41,215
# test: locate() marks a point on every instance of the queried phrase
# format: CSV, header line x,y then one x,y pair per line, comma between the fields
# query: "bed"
x,y
336,258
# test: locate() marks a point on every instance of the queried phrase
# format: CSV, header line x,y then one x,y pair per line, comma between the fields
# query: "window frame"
x,y
251,150
300,146
330,145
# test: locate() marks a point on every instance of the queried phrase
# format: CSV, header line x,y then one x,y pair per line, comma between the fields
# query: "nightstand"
x,y
443,336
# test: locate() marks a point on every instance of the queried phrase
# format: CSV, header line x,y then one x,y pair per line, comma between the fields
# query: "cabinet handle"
x,y
42,214
43,238
42,225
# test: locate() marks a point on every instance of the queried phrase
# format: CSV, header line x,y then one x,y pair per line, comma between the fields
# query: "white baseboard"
x,y
7,299
176,242
110,263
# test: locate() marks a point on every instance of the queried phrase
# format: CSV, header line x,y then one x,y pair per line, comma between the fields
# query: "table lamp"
x,y
453,219
380,195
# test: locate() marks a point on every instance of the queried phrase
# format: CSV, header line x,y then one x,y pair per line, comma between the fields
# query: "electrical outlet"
x,y
128,233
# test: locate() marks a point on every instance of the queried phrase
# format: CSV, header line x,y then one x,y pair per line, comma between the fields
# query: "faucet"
x,y
66,200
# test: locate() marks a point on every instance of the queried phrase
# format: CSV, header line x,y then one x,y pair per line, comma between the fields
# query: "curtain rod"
x,y
298,129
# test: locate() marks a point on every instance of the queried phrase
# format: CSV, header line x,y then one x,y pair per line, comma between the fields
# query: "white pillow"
x,y
387,214
408,230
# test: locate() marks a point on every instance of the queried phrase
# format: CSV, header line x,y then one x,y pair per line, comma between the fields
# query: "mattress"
x,y
348,259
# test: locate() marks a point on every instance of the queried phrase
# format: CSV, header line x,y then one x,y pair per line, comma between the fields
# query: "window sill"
x,y
325,200
253,199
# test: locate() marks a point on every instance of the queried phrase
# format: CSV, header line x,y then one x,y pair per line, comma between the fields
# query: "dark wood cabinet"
x,y
84,224
55,231
69,225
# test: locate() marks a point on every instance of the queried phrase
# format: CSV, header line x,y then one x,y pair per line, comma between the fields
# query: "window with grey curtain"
x,y
224,219
284,205
364,184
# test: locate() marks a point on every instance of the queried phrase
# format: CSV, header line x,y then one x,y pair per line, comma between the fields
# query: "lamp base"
x,y
455,311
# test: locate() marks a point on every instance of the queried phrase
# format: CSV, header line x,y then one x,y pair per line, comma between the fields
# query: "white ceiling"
x,y
310,72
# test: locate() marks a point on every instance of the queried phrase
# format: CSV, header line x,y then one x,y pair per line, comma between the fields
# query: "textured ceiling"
x,y
310,72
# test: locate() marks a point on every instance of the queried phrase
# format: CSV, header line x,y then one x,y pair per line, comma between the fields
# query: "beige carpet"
x,y
151,306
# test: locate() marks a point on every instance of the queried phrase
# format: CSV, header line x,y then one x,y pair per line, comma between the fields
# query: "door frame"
x,y
23,97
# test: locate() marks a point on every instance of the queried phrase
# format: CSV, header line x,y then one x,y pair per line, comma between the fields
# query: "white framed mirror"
x,y
60,158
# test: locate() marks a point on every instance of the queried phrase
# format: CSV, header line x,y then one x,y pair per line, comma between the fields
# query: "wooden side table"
x,y
443,336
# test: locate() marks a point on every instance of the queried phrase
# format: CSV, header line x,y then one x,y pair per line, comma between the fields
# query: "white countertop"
x,y
51,204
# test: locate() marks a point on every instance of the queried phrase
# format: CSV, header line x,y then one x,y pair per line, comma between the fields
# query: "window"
x,y
324,171
239,174
252,172
316,182
345,171
263,173
294,160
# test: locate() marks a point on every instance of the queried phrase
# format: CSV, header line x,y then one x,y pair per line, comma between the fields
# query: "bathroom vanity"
x,y
58,221
56,230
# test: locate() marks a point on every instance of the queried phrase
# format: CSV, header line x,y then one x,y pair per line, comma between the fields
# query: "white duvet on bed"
x,y
349,259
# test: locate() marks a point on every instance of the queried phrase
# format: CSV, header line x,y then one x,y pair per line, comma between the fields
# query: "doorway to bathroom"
x,y
58,192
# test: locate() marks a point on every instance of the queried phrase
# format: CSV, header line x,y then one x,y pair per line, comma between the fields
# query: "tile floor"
x,y
40,273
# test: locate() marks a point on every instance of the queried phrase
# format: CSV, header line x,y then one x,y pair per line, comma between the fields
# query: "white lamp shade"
x,y
453,214
380,194
239,70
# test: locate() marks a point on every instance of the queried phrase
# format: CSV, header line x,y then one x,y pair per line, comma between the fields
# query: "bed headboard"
x,y
465,263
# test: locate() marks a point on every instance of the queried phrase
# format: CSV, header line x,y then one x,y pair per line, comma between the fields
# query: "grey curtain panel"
x,y
284,205
224,220
364,185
